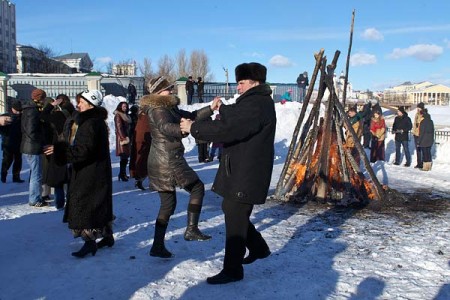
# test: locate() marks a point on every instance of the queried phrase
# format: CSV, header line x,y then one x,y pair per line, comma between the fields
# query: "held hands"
x,y
5,120
185,125
48,149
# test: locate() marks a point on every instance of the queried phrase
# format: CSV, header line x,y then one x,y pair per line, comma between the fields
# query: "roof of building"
x,y
72,55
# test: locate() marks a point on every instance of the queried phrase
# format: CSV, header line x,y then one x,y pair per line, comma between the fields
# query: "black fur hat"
x,y
253,71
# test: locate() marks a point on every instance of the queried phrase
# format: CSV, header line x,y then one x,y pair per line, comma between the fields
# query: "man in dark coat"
x,y
426,139
131,93
33,140
200,89
11,139
302,83
366,115
247,131
402,126
189,90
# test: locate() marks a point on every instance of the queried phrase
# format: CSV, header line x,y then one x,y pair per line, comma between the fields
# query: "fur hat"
x,y
253,71
38,94
94,97
159,84
17,105
421,105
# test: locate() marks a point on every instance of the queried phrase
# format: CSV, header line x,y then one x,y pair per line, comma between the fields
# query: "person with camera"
x,y
401,127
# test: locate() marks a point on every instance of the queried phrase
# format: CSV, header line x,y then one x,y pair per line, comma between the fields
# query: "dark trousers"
x,y
13,158
398,145
418,153
169,201
240,234
189,98
202,152
367,136
425,153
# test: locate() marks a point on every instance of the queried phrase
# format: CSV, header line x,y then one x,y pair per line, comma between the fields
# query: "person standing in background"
x,y
426,139
302,83
122,122
378,131
415,131
132,93
200,89
11,138
189,90
401,127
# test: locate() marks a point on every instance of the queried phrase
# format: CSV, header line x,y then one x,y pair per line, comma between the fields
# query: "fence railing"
x,y
439,135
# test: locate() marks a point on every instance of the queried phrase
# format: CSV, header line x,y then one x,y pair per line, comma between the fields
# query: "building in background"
x,y
7,37
32,60
127,69
413,93
78,62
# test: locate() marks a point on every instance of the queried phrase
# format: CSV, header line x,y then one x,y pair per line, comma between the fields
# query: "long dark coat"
x,y
426,132
401,127
166,165
90,189
11,134
122,125
247,129
53,175
140,147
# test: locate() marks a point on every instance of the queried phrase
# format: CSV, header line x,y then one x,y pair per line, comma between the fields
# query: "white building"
x,y
7,37
79,62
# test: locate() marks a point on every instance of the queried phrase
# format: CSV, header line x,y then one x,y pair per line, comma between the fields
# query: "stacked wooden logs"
x,y
318,164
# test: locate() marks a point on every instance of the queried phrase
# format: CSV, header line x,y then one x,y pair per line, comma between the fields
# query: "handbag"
x,y
126,141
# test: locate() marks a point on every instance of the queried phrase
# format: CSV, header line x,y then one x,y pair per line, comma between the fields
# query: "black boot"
x,y
88,247
106,241
192,232
138,184
123,170
16,178
3,179
158,249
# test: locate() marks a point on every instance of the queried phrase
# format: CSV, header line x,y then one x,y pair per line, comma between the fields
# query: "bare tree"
x,y
47,63
166,67
146,69
199,65
182,63
109,67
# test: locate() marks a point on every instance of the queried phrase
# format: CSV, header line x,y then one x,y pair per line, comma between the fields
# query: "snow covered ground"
x,y
318,252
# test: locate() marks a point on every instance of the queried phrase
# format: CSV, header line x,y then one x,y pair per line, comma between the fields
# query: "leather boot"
x,y
192,232
158,248
88,247
123,170
106,241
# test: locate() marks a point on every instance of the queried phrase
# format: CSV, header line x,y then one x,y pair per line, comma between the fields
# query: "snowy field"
x,y
318,252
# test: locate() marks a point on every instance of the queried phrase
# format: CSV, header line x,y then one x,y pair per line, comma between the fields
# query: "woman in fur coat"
x,y
166,165
122,122
378,131
88,209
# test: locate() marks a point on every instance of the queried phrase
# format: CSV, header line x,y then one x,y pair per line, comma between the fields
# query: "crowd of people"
x,y
67,149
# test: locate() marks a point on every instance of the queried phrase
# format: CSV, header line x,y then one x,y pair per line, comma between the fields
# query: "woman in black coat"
x,y
89,207
401,128
166,165
426,139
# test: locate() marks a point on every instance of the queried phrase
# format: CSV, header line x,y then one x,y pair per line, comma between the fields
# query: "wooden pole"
x,y
344,94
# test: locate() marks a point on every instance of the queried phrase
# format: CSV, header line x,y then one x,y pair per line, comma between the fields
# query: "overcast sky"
x,y
393,41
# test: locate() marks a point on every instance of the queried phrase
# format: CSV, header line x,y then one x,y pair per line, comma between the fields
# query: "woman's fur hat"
x,y
253,71
159,84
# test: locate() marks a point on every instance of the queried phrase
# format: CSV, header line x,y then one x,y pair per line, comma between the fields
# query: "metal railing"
x,y
439,135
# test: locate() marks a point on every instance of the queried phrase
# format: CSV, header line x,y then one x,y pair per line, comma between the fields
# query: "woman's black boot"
x,y
158,248
123,170
138,184
192,232
88,247
106,241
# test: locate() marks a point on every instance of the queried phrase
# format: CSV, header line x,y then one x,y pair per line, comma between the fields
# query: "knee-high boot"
x,y
192,232
158,248
123,170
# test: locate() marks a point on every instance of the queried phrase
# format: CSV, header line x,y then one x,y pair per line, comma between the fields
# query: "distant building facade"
x,y
78,62
32,60
413,93
124,69
7,37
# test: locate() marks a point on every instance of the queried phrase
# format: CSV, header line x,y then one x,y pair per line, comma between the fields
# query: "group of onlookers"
x,y
190,89
370,120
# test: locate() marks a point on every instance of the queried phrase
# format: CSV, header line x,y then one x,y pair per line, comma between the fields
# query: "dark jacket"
x,y
401,127
190,87
33,138
426,132
200,88
247,129
140,146
11,134
166,165
53,175
90,189
302,81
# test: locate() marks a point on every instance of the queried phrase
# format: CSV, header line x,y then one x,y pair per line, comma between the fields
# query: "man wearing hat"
x,y
11,139
402,126
189,90
32,144
247,131
415,131
200,89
